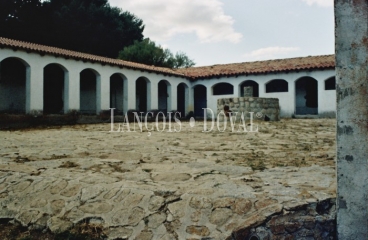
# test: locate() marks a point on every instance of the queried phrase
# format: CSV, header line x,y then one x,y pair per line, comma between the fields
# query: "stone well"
x,y
263,108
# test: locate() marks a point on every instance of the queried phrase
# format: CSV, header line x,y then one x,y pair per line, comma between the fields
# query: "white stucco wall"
x,y
287,100
36,64
34,83
328,99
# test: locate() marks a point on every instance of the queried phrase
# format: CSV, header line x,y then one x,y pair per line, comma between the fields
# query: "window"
x,y
330,84
278,85
223,89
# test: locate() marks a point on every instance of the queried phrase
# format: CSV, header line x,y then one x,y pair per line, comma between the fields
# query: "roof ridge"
x,y
81,55
218,70
269,60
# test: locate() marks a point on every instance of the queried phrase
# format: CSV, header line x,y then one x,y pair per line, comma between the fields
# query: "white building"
x,y
36,78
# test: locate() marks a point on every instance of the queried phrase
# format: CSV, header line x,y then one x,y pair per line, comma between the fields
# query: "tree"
x,y
90,26
93,26
183,61
147,52
20,19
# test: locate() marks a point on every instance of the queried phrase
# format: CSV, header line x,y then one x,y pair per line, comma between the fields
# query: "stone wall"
x,y
310,221
263,108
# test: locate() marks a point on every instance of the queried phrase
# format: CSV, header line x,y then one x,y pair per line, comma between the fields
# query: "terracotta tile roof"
x,y
193,73
42,49
261,67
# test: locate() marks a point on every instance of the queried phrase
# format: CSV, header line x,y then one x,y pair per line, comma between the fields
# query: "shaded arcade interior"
x,y
117,92
88,93
182,99
164,96
53,89
142,90
13,80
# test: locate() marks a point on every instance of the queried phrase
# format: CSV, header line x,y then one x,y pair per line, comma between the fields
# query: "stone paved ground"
x,y
186,185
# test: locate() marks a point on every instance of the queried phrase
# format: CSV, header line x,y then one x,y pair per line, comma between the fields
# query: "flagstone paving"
x,y
164,185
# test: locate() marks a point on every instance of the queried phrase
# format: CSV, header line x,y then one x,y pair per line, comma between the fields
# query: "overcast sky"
x,y
228,31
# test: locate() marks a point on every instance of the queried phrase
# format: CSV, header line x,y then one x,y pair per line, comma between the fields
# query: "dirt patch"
x,y
10,231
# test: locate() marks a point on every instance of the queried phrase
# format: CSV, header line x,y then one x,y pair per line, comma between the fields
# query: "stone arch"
x,y
183,98
14,78
200,99
143,94
249,83
117,92
164,96
222,88
277,85
330,83
53,88
88,91
306,96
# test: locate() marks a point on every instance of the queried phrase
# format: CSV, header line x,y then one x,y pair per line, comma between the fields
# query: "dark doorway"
x,y
141,94
117,93
306,96
182,98
88,98
53,89
200,100
163,96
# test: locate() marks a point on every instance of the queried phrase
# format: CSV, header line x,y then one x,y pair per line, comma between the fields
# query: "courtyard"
x,y
164,185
